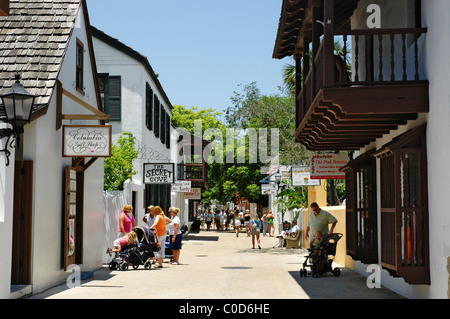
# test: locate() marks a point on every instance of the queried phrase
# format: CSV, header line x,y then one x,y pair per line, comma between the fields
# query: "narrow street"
x,y
217,265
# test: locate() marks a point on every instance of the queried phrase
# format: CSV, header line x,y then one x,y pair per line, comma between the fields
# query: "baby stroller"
x,y
137,254
168,252
320,260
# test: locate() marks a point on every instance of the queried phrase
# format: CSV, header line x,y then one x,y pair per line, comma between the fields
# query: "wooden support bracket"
x,y
96,116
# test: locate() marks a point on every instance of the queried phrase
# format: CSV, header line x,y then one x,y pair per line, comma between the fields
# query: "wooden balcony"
x,y
336,111
196,173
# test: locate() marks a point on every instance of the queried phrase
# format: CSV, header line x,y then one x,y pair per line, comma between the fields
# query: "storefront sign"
x,y
159,173
269,189
181,186
301,176
327,166
195,193
87,141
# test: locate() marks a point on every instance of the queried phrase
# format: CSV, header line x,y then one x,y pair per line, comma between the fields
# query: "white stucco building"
x,y
136,99
49,46
392,114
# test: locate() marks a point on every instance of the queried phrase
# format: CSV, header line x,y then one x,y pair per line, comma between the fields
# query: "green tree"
x,y
290,70
183,117
251,109
119,167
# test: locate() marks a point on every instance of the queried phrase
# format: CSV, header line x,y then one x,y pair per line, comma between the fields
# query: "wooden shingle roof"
x,y
33,42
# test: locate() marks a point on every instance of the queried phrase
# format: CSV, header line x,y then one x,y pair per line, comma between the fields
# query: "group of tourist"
x,y
318,223
238,219
157,220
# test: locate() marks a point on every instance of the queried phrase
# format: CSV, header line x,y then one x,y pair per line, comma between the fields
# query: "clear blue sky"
x,y
202,49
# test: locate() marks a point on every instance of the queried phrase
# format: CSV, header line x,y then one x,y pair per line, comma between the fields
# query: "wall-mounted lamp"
x,y
278,177
17,105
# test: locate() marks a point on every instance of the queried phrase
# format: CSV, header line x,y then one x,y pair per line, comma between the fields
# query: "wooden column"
x,y
328,70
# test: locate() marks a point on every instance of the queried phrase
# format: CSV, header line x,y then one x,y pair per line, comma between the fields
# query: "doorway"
x,y
22,223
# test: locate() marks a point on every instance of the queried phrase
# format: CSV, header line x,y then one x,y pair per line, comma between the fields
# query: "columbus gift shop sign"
x,y
87,141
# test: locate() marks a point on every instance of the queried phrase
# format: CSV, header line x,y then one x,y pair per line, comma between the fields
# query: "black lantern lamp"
x,y
17,105
278,177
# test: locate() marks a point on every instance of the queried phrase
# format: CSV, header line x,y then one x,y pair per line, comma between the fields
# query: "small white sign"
x,y
87,141
301,176
327,166
195,193
163,173
269,189
181,186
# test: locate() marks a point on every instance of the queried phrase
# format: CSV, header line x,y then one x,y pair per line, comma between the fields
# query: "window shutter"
x,y
404,198
163,124
361,210
156,121
350,213
115,98
168,130
149,107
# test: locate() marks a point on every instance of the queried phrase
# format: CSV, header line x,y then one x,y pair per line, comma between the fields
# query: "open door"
x,y
70,218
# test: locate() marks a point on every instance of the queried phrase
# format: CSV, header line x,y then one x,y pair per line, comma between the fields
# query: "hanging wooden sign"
x,y
163,173
87,141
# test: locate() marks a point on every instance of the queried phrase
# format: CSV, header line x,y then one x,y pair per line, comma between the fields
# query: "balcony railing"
x,y
191,172
379,57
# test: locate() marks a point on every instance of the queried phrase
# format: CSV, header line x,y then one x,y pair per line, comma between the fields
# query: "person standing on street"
x,y
255,230
237,222
319,221
247,222
160,225
271,227
208,220
126,220
265,223
149,218
175,235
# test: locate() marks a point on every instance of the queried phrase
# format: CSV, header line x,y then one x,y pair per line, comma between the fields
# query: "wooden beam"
x,y
82,103
59,98
86,117
328,40
386,99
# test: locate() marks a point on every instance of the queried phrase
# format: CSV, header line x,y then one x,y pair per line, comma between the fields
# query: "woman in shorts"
x,y
255,230
247,222
175,235
237,222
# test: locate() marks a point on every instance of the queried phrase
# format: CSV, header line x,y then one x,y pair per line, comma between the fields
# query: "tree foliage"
x,y
119,167
251,109
183,117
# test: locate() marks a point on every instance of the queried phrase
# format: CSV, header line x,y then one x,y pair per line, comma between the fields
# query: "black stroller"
x,y
320,260
137,254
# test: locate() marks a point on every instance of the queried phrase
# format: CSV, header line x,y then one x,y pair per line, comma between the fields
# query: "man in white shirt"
x,y
293,232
